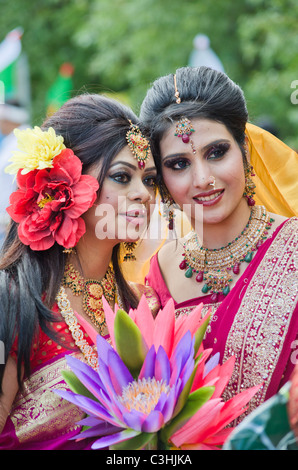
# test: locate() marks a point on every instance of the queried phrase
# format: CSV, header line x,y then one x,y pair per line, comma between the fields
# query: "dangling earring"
x,y
249,184
129,247
68,251
168,208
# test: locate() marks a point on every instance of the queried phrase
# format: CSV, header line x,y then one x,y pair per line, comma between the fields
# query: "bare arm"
x,y
10,388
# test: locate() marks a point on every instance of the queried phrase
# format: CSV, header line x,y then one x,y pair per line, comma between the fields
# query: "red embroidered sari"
x,y
39,418
257,321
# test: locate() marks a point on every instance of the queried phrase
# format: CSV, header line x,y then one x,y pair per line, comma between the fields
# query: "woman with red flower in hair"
x,y
85,182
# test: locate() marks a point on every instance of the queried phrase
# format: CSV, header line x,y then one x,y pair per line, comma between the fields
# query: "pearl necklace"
x,y
215,267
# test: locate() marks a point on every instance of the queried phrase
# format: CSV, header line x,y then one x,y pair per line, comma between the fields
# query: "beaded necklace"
x,y
92,291
215,267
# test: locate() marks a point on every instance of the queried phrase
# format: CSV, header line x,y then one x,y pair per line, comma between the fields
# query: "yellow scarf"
x,y
276,168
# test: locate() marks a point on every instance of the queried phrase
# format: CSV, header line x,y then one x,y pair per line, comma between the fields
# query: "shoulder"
x,y
169,252
284,223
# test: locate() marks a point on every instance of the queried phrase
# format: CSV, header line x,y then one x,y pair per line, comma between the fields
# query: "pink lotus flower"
x,y
187,413
49,203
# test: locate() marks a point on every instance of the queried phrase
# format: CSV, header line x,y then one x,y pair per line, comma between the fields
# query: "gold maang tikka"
x,y
138,145
184,130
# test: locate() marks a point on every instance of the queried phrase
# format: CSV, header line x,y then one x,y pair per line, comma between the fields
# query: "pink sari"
x,y
257,322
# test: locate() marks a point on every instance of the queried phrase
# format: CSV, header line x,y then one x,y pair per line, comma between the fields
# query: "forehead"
x,y
126,155
205,131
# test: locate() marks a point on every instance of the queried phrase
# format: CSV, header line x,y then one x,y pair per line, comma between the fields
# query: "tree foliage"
x,y
123,45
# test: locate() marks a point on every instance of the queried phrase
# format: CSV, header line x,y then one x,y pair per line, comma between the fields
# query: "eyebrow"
x,y
203,149
133,167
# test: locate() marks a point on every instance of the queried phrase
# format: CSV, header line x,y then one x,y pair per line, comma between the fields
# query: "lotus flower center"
x,y
143,395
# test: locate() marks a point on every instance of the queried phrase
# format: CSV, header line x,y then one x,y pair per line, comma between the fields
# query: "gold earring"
x,y
68,251
130,247
249,190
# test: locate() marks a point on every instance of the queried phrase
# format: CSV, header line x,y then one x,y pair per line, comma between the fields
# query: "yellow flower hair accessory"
x,y
37,149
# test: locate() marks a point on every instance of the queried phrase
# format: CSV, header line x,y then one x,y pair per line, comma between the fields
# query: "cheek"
x,y
177,185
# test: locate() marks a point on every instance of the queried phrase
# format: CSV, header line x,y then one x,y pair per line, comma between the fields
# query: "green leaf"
x,y
129,342
75,385
193,404
200,333
135,443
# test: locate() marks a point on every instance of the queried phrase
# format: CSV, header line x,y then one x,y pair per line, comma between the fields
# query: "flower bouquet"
x,y
155,386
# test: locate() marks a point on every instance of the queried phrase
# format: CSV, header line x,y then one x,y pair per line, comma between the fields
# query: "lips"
x,y
209,198
136,213
136,216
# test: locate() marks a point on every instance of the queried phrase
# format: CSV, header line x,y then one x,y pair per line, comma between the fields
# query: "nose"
x,y
140,193
201,175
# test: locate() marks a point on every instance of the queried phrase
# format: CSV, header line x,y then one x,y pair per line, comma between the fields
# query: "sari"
x,y
257,322
40,419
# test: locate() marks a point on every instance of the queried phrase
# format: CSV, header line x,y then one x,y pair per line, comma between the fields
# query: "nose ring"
x,y
213,182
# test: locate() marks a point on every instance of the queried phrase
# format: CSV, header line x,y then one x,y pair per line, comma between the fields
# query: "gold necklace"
x,y
215,267
92,291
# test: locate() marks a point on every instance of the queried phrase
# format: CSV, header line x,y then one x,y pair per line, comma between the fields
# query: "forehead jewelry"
x,y
178,99
184,130
138,145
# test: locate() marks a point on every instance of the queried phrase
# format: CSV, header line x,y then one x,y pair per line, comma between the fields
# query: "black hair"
x,y
95,128
205,93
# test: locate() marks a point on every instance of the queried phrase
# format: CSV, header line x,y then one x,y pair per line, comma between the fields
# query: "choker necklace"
x,y
216,267
92,291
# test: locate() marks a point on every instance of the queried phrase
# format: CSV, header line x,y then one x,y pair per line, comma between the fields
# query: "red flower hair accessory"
x,y
51,198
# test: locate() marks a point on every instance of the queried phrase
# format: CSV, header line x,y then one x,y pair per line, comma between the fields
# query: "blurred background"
x,y
53,49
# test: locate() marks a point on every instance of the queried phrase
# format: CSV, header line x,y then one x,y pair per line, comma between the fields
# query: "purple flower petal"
x,y
213,362
91,421
102,429
77,366
168,407
148,367
89,406
104,375
114,438
181,355
162,366
187,370
153,422
184,348
134,419
119,373
103,347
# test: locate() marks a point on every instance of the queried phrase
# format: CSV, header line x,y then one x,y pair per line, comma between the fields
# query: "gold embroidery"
x,y
205,309
259,329
39,413
75,328
150,295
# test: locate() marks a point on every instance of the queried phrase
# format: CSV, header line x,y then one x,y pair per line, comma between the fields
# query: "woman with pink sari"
x,y
84,188
238,187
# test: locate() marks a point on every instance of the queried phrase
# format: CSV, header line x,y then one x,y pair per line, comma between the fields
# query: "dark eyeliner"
x,y
172,162
219,149
120,174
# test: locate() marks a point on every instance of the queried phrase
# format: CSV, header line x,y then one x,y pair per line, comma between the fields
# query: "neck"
x,y
219,234
93,258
